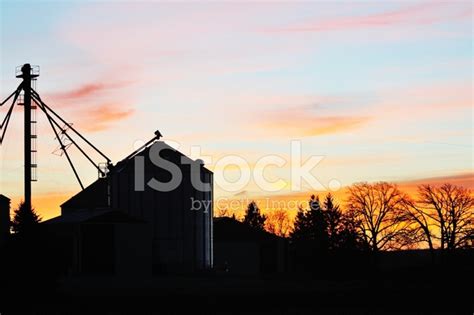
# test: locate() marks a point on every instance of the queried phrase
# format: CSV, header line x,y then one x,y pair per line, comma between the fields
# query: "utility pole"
x,y
27,76
28,87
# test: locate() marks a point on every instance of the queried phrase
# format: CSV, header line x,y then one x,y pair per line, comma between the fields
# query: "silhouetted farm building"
x,y
135,227
241,249
102,242
4,218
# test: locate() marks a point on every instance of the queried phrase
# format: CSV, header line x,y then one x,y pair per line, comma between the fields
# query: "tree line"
x,y
378,216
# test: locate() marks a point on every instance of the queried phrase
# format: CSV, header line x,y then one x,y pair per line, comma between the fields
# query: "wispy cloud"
x,y
89,90
465,179
435,101
94,106
101,117
420,14
335,124
305,122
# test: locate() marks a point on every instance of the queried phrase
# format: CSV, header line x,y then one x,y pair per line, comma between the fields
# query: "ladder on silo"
x,y
34,165
34,135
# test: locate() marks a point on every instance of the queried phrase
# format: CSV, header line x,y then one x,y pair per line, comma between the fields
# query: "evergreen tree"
x,y
300,228
317,224
341,227
310,225
334,221
25,221
254,218
349,237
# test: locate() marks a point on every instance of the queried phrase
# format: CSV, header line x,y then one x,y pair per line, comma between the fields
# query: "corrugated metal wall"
x,y
182,238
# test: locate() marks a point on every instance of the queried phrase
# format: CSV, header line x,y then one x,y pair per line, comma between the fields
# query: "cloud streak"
x,y
94,106
89,90
466,180
101,117
304,122
414,15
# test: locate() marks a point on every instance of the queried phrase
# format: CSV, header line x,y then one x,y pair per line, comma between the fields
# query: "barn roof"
x,y
95,195
164,146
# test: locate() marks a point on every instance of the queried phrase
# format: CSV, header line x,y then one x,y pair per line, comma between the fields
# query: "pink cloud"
x,y
103,116
93,106
420,14
88,90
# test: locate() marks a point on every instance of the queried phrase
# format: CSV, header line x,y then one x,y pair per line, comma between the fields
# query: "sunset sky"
x,y
382,90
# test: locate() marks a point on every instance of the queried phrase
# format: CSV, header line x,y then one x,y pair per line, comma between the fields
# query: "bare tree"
x,y
443,217
378,209
278,223
223,212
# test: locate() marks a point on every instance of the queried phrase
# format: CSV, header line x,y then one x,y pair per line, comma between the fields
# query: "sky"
x,y
379,90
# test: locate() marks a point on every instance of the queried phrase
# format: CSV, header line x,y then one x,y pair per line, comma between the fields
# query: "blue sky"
x,y
382,89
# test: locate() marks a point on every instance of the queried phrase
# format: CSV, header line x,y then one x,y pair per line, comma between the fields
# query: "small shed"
x,y
4,218
241,249
104,242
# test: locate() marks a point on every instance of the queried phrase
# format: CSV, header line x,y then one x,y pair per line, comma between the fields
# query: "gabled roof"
x,y
164,147
92,196
95,195
3,197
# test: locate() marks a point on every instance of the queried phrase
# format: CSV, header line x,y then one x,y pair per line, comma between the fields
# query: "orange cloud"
x,y
94,106
303,122
465,180
100,117
336,124
420,14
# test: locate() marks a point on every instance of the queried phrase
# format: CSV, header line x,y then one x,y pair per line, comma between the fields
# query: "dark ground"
x,y
397,293
340,285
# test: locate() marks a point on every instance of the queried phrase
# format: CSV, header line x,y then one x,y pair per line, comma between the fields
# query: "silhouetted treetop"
x,y
442,217
310,225
253,217
25,221
378,207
